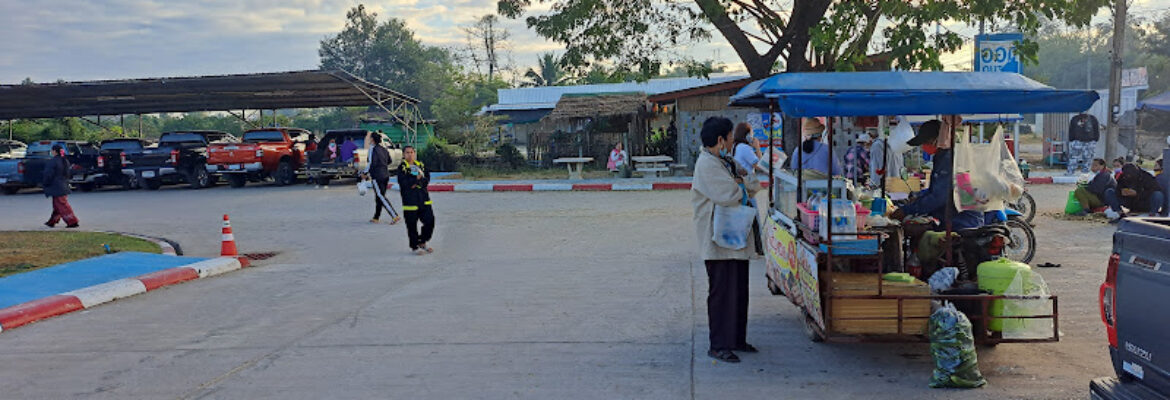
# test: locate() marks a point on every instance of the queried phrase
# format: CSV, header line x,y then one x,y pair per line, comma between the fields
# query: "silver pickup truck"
x,y
1137,323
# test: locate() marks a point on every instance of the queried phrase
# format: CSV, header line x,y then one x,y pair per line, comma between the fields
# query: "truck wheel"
x,y
152,184
323,180
199,178
237,180
86,187
285,174
129,182
11,189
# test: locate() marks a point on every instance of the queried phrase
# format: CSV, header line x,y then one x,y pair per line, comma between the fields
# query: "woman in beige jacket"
x,y
719,181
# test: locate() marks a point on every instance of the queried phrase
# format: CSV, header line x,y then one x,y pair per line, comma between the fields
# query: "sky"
x,y
47,40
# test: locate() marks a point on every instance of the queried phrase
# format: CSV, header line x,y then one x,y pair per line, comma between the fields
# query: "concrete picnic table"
x,y
650,166
570,162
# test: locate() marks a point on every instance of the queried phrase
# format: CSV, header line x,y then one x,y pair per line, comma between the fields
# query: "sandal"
x,y
420,252
747,348
429,249
724,355
373,220
395,220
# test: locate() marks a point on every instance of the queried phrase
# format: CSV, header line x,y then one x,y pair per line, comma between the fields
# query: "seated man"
x,y
347,149
1139,192
1092,195
935,138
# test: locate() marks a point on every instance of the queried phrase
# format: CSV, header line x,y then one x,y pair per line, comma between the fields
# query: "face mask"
x,y
929,148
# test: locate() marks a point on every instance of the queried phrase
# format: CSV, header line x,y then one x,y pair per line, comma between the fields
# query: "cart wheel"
x,y
774,288
811,330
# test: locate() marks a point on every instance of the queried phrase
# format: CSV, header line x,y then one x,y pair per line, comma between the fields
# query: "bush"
x,y
510,156
439,155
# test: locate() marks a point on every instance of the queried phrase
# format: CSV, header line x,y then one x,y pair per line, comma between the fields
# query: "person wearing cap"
x,y
856,160
55,180
815,153
935,138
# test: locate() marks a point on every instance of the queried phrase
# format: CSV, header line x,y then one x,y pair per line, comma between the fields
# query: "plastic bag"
x,y
1027,328
901,134
953,348
986,176
732,225
943,279
363,187
1073,206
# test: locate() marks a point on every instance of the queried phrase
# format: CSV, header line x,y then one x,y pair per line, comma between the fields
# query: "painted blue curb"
x,y
45,282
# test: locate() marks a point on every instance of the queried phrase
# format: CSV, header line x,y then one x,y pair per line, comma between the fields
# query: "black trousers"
x,y
427,216
380,191
727,303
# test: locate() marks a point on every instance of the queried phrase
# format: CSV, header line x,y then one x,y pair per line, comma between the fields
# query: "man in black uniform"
x,y
416,201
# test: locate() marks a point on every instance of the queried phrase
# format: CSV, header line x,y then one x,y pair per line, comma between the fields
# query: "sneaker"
x,y
394,220
1112,215
373,220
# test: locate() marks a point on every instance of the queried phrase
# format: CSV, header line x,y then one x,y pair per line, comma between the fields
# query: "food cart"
x,y
841,280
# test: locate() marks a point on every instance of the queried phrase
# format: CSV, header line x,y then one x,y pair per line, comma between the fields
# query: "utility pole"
x,y
1111,145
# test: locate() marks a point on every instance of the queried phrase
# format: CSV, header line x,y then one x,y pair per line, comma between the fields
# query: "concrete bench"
x,y
651,166
575,165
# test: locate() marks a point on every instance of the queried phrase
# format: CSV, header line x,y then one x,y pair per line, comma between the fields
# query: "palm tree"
x,y
548,72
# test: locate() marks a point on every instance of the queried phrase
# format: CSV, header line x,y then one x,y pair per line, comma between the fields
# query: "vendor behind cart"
x,y
935,138
816,156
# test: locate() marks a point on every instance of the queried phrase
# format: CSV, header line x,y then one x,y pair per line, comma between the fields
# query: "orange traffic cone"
x,y
229,241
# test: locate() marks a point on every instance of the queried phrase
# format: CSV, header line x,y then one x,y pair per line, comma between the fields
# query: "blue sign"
x,y
997,53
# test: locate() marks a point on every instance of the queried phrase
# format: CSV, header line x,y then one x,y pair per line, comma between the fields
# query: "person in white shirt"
x,y
617,158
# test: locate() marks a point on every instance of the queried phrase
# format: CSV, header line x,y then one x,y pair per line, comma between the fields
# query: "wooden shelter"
x,y
589,125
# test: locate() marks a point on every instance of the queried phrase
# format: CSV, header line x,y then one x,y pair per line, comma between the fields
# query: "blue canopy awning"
x,y
820,94
1160,102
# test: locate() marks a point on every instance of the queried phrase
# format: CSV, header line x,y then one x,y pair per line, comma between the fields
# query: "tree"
x,y
548,72
457,106
811,35
388,54
487,42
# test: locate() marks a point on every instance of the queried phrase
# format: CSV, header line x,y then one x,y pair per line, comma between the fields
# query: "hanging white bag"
x,y
901,134
363,187
732,225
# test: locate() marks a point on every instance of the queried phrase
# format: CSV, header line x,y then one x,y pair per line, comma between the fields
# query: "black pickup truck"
x,y
1137,326
180,157
20,173
113,153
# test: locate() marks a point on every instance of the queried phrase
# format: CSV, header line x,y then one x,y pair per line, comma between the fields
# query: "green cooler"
x,y
995,276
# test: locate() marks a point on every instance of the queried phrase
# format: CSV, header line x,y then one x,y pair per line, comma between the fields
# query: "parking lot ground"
x,y
529,295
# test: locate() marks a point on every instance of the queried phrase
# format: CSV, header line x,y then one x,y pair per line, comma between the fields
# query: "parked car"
x,y
324,166
179,157
12,149
113,157
276,153
1136,282
16,174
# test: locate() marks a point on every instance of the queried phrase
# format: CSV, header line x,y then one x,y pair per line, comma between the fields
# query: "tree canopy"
x,y
801,35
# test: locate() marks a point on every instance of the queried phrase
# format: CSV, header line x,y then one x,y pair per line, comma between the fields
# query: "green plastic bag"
x,y
1073,206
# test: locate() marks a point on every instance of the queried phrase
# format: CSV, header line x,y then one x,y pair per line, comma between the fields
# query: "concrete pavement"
x,y
530,295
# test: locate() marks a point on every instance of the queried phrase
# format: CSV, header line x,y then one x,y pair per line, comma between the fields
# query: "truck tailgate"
x,y
150,158
1143,279
232,154
9,172
1113,389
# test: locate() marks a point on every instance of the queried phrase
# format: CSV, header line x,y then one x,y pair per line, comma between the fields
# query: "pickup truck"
x,y
180,157
276,153
16,174
113,154
1136,325
12,149
325,164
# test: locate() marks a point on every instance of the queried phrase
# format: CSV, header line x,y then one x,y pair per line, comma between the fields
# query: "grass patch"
x,y
526,173
26,251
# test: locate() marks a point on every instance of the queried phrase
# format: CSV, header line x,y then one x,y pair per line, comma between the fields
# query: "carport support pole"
x,y
10,129
140,126
771,148
122,122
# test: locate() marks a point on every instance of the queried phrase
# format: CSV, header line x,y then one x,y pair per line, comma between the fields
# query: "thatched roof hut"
x,y
600,105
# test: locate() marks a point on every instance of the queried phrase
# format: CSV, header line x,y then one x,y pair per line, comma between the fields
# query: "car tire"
x,y
199,178
11,190
323,180
151,184
284,174
237,180
86,187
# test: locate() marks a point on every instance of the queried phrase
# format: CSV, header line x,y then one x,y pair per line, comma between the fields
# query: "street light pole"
x,y
1111,145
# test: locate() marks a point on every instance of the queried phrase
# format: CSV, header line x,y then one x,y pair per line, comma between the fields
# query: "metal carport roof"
x,y
264,91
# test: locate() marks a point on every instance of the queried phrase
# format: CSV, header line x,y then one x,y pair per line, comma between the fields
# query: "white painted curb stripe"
x,y
633,186
543,187
109,291
474,187
215,266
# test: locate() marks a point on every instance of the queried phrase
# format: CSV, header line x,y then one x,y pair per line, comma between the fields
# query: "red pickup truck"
x,y
275,153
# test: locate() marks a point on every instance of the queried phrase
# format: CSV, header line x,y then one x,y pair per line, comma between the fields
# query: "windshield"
x,y
181,137
40,148
263,136
122,145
